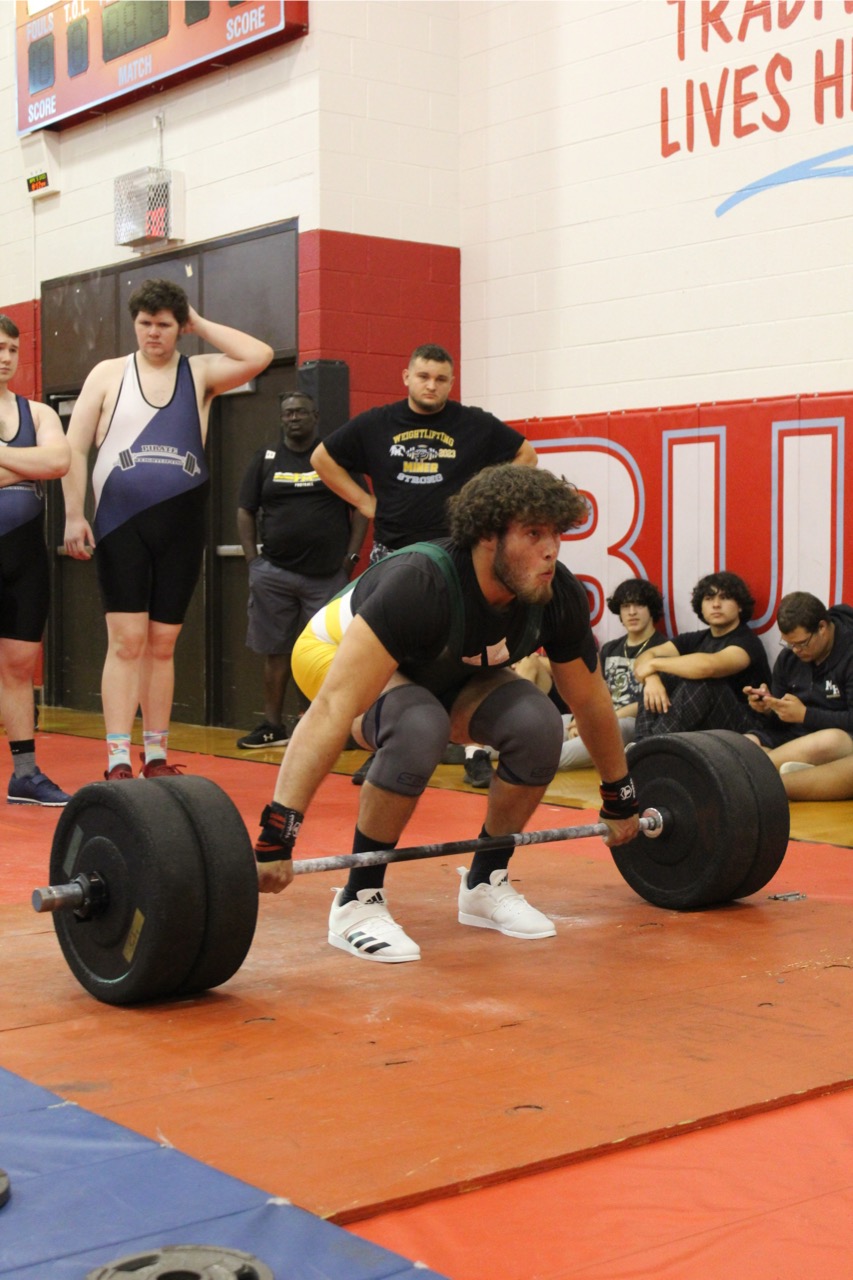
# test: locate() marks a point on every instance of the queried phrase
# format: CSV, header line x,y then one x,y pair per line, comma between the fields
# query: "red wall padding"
x,y
371,301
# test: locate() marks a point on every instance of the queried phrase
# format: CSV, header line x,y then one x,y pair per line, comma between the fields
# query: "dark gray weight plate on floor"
x,y
231,880
711,826
141,842
774,814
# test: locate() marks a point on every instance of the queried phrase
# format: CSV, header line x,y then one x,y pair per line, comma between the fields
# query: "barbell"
x,y
154,885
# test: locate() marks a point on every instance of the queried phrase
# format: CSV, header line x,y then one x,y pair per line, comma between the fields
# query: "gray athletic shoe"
x,y
478,769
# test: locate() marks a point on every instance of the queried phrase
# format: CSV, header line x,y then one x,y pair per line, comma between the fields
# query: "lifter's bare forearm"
x,y
360,670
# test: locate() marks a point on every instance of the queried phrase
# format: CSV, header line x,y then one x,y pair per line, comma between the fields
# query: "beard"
x,y
525,592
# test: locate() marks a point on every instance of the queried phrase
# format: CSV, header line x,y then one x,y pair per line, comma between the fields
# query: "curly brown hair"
x,y
160,295
496,496
725,584
637,591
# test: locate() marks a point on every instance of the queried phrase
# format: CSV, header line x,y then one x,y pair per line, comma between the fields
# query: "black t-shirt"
x,y
826,688
303,526
416,461
617,661
703,642
407,602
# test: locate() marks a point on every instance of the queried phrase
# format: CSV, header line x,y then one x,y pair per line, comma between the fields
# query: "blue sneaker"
x,y
36,789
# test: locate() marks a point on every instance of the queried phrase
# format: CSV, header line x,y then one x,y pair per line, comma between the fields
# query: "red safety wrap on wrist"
x,y
619,799
279,829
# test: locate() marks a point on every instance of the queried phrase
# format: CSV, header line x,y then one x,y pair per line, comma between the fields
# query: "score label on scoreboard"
x,y
79,57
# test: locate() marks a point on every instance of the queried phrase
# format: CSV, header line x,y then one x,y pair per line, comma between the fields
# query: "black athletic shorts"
x,y
151,563
24,582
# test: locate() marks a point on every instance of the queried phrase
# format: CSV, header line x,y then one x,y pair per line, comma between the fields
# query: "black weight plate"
x,y
232,880
774,815
142,946
185,1262
710,819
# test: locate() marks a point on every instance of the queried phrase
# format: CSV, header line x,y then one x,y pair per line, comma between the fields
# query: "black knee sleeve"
x,y
409,729
525,728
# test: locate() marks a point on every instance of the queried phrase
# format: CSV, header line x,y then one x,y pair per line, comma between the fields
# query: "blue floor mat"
x,y
86,1192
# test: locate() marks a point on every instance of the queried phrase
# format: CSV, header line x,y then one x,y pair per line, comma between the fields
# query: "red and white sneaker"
x,y
160,769
119,773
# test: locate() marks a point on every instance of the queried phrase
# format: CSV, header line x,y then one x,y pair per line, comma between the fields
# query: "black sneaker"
x,y
266,735
363,770
478,769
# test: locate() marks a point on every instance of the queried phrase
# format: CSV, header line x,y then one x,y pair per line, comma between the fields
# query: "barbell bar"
x,y
87,894
651,824
154,885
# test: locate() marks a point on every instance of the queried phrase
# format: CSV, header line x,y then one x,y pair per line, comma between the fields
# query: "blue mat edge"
x,y
121,1180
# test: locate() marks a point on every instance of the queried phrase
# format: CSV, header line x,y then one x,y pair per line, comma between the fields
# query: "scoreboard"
x,y
79,58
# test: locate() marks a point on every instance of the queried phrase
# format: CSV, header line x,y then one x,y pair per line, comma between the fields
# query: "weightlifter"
x,y
417,653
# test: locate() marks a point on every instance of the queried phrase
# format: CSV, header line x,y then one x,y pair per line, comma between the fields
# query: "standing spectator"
x,y
807,713
32,448
311,541
417,452
147,415
695,681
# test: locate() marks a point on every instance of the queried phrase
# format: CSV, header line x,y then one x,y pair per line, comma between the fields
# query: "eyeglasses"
x,y
297,413
797,646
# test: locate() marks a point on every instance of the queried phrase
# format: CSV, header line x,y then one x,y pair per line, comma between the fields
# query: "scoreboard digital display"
x,y
78,58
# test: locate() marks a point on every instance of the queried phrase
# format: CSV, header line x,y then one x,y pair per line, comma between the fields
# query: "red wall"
x,y
370,302
765,494
28,378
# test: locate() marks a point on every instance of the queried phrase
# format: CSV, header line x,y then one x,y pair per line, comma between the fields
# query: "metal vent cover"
x,y
146,207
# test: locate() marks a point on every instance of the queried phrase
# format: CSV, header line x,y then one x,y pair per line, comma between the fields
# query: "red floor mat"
x,y
769,1197
317,1077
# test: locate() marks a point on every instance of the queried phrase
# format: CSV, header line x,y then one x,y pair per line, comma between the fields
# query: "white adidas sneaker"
x,y
366,928
497,906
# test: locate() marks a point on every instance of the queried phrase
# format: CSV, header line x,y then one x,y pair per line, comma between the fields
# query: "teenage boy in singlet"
x,y
32,448
147,415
